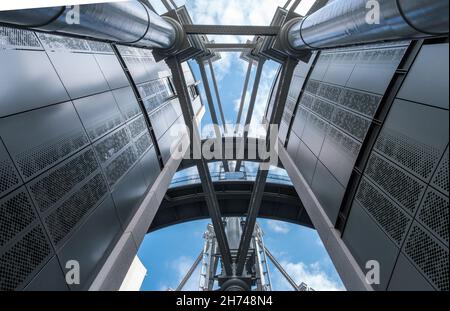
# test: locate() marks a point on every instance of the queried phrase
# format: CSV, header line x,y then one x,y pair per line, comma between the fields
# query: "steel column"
x,y
202,166
231,30
244,94
261,176
190,271
216,90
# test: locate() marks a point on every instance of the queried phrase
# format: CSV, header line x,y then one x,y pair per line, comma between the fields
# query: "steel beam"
x,y
231,30
190,271
281,269
251,105
212,109
216,90
229,47
207,185
244,94
261,176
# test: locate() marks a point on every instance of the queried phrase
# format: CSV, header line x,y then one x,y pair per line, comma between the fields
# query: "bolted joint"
x,y
285,36
180,37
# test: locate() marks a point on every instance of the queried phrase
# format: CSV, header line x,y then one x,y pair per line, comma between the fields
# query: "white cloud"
x,y
278,226
181,266
313,275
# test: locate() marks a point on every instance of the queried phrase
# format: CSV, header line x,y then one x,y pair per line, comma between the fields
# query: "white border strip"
x,y
28,4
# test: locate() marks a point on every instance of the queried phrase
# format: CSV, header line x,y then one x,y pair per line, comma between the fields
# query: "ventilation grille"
x,y
112,144
440,179
16,213
429,256
103,126
22,259
50,188
402,187
53,42
390,217
120,165
63,219
36,159
434,214
8,175
18,38
137,126
414,155
143,143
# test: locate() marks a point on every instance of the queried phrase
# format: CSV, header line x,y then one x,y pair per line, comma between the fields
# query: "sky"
x,y
168,253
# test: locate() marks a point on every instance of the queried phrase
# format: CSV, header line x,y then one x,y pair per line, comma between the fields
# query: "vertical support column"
x,y
202,166
216,90
244,94
261,176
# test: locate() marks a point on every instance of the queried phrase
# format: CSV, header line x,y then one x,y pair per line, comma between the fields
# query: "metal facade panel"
x,y
128,193
373,244
427,81
328,191
406,278
112,70
28,81
9,176
91,243
99,114
50,278
371,77
314,133
150,167
306,162
126,100
41,138
80,73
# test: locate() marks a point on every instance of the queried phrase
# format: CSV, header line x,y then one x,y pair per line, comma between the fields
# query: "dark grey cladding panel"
x,y
306,162
371,78
300,120
328,191
99,114
366,241
9,177
112,70
406,278
440,179
16,214
23,259
427,81
50,278
28,81
126,100
433,213
314,133
429,256
128,193
150,167
292,147
41,138
163,118
415,142
321,66
80,73
338,73
92,242
136,65
389,216
339,153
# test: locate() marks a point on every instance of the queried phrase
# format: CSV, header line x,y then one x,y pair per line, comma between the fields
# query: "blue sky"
x,y
168,253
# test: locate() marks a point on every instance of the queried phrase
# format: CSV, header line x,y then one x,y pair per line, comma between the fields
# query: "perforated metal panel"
x,y
402,187
63,219
9,179
127,102
18,39
386,213
22,259
137,126
109,146
99,114
120,165
429,255
16,213
54,42
143,143
51,187
434,213
440,178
